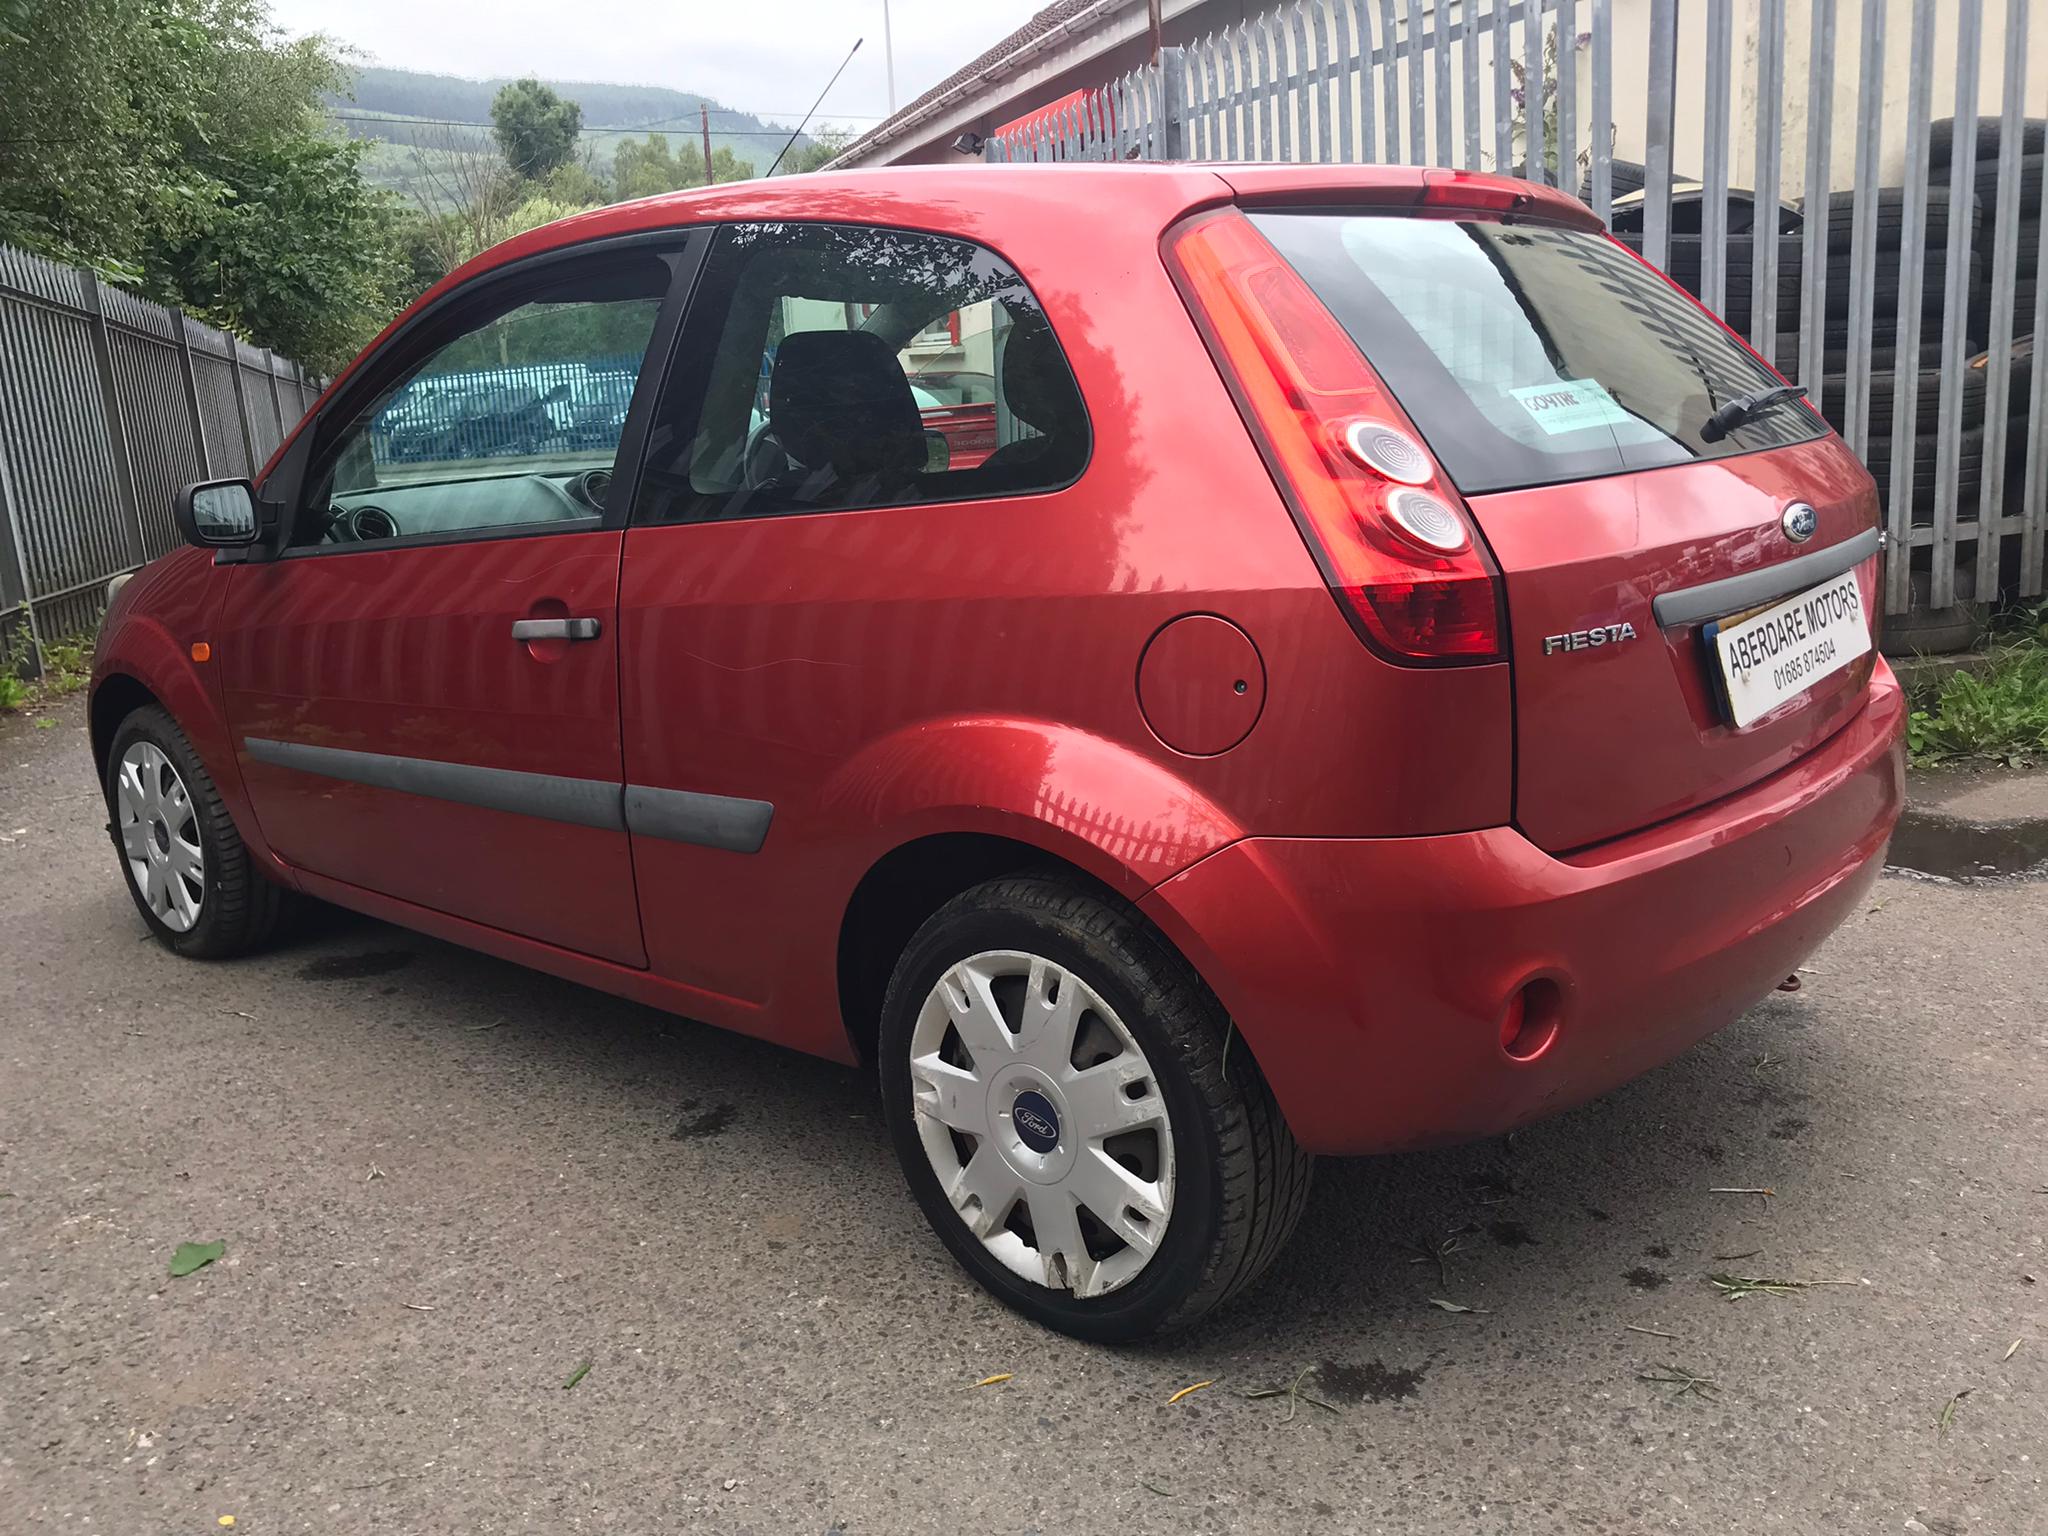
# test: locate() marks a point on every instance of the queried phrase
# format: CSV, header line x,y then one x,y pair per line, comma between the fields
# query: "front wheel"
x,y
1056,1084
191,876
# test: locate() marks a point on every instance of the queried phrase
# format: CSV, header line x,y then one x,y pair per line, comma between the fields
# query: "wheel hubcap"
x,y
1043,1121
160,836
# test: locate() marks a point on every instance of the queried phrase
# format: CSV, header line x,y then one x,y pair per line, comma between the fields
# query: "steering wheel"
x,y
766,459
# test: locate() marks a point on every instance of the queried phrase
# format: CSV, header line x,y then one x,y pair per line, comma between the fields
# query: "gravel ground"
x,y
447,1184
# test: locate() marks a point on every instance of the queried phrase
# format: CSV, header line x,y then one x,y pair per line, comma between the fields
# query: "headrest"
x,y
839,400
1037,384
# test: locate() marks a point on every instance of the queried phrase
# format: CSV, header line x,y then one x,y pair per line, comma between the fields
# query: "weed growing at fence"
x,y
67,667
15,689
1999,711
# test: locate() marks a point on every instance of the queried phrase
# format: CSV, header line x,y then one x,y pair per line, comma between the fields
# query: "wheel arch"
x,y
115,697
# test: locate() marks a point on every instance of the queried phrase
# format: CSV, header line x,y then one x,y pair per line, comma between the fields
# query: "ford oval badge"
x,y
1800,522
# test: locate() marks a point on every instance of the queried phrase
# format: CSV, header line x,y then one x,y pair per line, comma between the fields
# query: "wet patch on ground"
x,y
1644,1278
1510,1234
1373,1382
1657,1251
696,1126
1937,847
1788,1129
374,962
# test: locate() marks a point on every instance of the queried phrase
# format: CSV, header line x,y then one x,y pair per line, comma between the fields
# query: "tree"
x,y
825,144
536,128
298,252
466,192
643,168
177,145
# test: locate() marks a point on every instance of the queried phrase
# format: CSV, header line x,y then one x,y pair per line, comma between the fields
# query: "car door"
x,y
784,595
423,684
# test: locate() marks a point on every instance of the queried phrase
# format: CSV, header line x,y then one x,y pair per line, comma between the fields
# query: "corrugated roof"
x,y
1048,20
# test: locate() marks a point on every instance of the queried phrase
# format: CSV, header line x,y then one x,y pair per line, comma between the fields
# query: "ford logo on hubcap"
x,y
1799,522
1037,1122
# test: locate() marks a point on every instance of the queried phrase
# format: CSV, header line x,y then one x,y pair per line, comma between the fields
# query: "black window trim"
x,y
675,361
683,246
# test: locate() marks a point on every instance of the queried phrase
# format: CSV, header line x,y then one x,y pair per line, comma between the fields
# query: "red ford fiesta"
x,y
1399,669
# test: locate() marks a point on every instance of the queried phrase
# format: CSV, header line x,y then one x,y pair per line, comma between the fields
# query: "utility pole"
x,y
704,115
1152,10
889,56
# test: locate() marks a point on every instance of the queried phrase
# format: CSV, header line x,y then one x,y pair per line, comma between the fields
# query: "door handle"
x,y
556,629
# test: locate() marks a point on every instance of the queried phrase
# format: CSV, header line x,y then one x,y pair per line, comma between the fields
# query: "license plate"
x,y
1781,651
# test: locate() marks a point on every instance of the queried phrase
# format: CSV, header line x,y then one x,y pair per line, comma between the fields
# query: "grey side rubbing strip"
x,y
580,802
678,815
684,816
1752,589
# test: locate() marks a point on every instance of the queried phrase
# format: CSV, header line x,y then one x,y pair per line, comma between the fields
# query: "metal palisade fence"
x,y
108,404
1899,287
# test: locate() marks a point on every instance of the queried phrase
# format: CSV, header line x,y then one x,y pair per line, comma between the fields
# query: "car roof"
x,y
979,200
943,197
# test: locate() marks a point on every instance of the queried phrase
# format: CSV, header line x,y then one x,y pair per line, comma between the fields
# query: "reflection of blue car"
x,y
594,413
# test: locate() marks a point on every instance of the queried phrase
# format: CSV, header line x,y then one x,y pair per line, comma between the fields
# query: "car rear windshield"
x,y
1528,355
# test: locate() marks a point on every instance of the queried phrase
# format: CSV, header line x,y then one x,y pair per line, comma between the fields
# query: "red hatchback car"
x,y
1404,669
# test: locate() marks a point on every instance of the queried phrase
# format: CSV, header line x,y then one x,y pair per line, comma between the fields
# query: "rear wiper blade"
x,y
1741,409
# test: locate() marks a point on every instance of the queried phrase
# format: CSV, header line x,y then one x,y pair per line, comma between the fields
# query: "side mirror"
x,y
217,514
938,452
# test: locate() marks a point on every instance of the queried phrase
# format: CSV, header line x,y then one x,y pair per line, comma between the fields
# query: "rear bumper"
x,y
1370,976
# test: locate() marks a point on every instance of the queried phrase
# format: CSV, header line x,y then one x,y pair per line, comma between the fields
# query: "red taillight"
x,y
1394,539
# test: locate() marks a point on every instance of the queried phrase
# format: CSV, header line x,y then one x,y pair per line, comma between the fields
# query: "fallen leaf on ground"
x,y
2014,1348
996,1380
195,1256
1453,1306
577,1375
1947,1417
1184,1391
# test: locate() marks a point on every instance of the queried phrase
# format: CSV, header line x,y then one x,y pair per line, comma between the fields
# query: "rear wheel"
x,y
186,866
1054,1079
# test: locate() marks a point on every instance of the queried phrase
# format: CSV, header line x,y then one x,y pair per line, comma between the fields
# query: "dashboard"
x,y
401,510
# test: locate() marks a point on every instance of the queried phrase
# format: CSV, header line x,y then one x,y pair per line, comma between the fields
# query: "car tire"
x,y
1941,138
1216,1164
166,818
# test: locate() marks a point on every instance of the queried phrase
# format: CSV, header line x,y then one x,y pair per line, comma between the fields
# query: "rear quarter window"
x,y
1529,355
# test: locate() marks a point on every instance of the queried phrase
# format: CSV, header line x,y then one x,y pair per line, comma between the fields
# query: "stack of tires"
x,y
1887,368
2025,202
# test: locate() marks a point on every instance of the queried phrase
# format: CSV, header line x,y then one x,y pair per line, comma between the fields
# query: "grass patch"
x,y
1998,711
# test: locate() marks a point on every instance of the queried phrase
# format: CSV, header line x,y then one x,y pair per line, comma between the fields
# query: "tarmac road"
x,y
446,1184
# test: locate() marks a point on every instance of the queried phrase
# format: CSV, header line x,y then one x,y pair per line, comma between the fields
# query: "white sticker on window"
x,y
1570,405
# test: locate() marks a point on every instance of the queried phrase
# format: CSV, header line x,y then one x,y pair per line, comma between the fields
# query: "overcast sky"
x,y
765,56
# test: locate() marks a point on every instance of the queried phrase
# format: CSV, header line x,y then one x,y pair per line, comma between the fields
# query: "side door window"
x,y
506,419
846,366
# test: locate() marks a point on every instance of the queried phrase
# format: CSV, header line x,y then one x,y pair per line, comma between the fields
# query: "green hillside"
x,y
406,112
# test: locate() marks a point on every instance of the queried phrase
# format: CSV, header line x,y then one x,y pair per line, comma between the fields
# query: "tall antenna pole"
x,y
820,101
704,116
889,56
